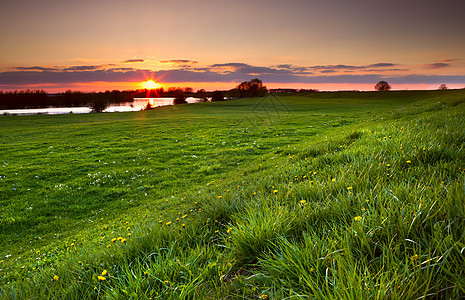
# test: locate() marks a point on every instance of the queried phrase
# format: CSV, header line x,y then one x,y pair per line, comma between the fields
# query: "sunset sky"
x,y
95,45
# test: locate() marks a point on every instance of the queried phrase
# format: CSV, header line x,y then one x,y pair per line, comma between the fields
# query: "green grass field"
x,y
348,195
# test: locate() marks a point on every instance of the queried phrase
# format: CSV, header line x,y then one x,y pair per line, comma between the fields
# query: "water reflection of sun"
x,y
150,85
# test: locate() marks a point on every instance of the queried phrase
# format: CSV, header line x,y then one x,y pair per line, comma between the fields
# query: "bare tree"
x,y
442,87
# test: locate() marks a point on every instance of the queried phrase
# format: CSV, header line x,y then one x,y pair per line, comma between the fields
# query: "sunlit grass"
x,y
334,195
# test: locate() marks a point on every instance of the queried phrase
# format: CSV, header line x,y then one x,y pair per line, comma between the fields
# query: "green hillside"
x,y
347,195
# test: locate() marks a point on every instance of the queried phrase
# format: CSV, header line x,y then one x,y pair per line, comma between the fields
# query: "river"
x,y
137,105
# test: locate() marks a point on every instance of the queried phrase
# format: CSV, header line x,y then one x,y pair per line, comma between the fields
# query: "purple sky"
x,y
323,44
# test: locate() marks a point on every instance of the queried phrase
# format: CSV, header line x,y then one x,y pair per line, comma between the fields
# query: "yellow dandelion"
x,y
104,272
183,225
165,282
123,241
219,197
101,278
229,230
333,180
302,202
349,188
113,240
109,245
357,218
129,234
120,238
414,257
275,191
168,223
263,296
55,277
409,161
388,165
160,222
184,216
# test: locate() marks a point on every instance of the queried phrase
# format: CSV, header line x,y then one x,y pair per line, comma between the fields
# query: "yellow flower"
x,y
219,197
349,188
104,272
55,277
414,257
120,238
229,230
275,191
333,180
263,296
101,278
302,202
168,223
184,216
160,221
113,240
109,245
409,161
165,282
357,218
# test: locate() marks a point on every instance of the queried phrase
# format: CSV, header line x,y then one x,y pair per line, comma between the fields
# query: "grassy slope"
x,y
349,195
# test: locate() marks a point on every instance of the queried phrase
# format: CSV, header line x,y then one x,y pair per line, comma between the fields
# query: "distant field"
x,y
325,195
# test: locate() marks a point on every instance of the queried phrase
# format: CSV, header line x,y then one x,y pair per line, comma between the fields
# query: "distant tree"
x,y
233,93
218,96
188,90
382,86
443,87
179,97
98,105
252,88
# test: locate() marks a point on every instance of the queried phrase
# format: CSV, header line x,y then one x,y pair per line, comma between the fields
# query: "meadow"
x,y
347,195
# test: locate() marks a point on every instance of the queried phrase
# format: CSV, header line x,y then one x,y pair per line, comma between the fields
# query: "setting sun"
x,y
150,84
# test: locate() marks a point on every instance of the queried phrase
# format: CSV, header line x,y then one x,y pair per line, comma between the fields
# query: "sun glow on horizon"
x,y
150,85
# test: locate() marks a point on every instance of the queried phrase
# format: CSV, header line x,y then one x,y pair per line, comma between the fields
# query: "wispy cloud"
x,y
36,68
438,65
223,72
179,61
83,68
135,60
342,67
